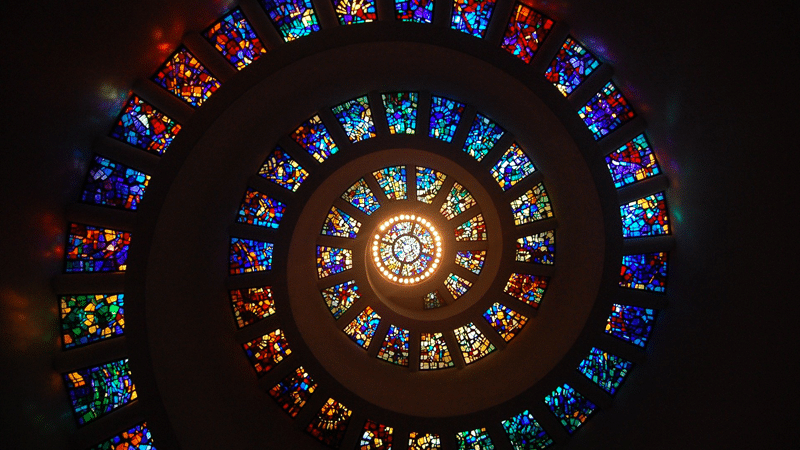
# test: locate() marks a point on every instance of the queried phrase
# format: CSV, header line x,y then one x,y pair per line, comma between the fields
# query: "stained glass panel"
x,y
112,184
247,255
235,39
294,391
419,441
526,288
631,323
525,32
532,206
143,126
471,260
507,322
363,327
184,76
356,119
482,136
282,170
92,249
632,162
472,230
96,391
136,438
429,182
252,304
458,200
646,271
571,66
432,300
477,439
538,248
433,352
339,223
393,182
340,297
456,285
395,346
570,407
260,210
267,351
606,111
474,345
315,138
292,18
645,217
376,436
445,116
355,11
330,423
512,167
91,318
606,370
331,260
360,196
472,16
420,11
401,111
525,433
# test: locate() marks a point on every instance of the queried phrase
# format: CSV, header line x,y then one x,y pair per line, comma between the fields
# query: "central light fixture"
x,y
407,249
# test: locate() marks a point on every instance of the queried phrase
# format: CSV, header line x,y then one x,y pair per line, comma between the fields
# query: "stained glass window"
x,y
429,182
356,119
646,271
526,288
631,323
363,327
458,200
91,318
571,66
512,167
393,182
407,250
445,116
401,112
472,230
420,11
570,407
433,352
477,439
339,223
92,249
252,304
532,206
248,255
235,39
471,260
340,297
474,345
267,351
360,196
292,18
98,390
376,436
282,170
606,111
355,11
143,126
331,260
395,346
432,300
294,391
330,423
112,184
507,322
315,138
456,285
260,210
482,136
645,217
183,75
526,31
606,370
538,248
472,16
632,162
525,433
136,438
419,441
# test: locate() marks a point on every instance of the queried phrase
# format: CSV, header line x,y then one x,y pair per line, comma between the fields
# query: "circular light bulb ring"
x,y
406,249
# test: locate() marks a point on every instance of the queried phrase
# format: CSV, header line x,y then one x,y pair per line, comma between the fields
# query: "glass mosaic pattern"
x,y
477,439
472,16
525,433
292,18
293,392
92,249
632,162
143,126
87,318
362,328
645,217
252,304
282,170
537,248
525,32
458,200
647,271
606,370
456,285
532,206
267,351
109,183
184,76
419,441
248,255
395,346
420,11
339,223
631,323
356,119
429,182
401,111
315,139
235,39
433,352
136,438
473,344
375,436
571,408
512,167
432,300
330,423
507,322
96,391
361,196
471,260
472,230
445,116
340,297
393,182
571,66
354,11
408,251
331,260
260,210
482,136
606,111
526,288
